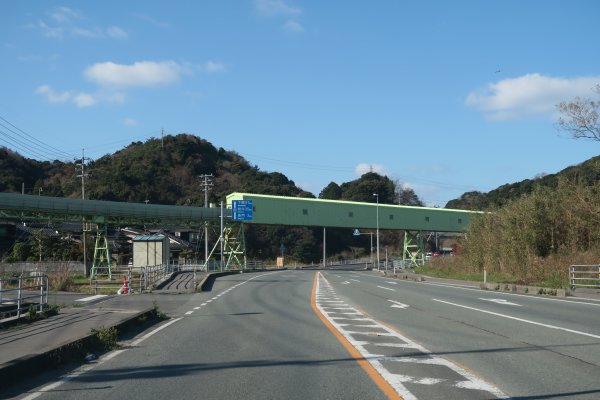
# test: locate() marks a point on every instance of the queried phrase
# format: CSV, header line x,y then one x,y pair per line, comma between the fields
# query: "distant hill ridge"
x,y
586,173
160,171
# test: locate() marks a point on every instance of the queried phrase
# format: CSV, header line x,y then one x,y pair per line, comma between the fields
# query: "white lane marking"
x,y
91,298
511,294
189,312
196,308
391,283
386,288
397,304
203,304
396,380
345,283
560,328
87,368
111,355
500,301
355,280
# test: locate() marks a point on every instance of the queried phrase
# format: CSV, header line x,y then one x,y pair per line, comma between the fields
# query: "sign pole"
x,y
324,248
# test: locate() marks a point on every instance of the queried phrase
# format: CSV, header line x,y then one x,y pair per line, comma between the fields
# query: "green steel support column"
x,y
234,246
101,262
414,249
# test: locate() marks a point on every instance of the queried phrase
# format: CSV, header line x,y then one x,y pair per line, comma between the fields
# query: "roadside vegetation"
x,y
531,240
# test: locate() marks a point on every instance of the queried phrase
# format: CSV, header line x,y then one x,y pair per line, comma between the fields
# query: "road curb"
x,y
73,350
491,286
205,284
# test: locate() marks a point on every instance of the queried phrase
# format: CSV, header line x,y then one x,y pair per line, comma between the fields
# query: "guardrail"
x,y
584,276
18,294
129,280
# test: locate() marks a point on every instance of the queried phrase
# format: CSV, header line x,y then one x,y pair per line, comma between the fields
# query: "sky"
x,y
444,96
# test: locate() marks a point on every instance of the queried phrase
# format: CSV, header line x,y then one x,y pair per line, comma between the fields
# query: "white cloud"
x,y
64,15
363,168
293,26
86,33
64,22
130,122
528,95
116,33
143,73
116,97
83,100
52,96
152,21
51,31
212,66
271,8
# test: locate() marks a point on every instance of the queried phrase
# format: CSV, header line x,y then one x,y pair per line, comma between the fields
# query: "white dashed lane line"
x,y
412,370
216,297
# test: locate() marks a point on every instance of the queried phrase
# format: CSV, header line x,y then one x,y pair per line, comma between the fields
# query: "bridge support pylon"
x,y
101,262
414,249
234,248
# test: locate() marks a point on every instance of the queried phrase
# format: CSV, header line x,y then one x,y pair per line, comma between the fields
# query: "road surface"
x,y
350,335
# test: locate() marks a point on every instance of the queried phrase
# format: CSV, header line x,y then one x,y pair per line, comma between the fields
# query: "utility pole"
x,y
377,196
162,138
221,236
207,184
324,250
83,176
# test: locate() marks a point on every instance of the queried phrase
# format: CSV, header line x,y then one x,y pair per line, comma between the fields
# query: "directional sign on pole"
x,y
241,210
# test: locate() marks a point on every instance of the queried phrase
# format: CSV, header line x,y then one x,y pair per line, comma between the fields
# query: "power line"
x,y
30,141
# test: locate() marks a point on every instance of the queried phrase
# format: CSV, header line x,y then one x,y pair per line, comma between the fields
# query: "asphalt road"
x,y
528,347
298,335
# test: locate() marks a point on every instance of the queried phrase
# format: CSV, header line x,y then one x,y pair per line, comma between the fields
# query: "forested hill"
x,y
162,172
586,173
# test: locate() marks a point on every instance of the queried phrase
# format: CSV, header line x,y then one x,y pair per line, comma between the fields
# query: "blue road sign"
x,y
241,210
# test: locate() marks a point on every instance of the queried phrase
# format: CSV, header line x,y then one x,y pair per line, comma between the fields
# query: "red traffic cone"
x,y
125,285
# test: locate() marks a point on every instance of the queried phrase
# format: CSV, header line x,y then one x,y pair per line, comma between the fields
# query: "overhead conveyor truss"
x,y
21,207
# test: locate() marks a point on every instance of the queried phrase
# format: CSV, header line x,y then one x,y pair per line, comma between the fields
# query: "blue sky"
x,y
445,96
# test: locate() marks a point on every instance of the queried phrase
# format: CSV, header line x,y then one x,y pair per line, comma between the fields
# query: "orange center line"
x,y
385,387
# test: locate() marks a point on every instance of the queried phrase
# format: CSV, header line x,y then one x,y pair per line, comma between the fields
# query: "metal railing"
x,y
18,294
129,280
584,276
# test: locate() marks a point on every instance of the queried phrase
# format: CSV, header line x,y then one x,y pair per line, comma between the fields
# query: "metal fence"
x,y
129,280
584,276
18,294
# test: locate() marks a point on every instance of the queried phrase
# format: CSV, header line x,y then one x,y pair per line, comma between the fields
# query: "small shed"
x,y
150,250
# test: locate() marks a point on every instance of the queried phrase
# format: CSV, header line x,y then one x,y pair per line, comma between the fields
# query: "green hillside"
x,y
586,173
167,172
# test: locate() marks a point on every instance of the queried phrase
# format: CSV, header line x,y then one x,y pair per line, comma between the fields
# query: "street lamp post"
x,y
377,197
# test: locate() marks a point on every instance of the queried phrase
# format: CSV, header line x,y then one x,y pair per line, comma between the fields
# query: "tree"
x,y
363,188
406,196
331,192
580,117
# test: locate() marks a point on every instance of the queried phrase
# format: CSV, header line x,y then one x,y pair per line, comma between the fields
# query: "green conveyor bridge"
x,y
270,210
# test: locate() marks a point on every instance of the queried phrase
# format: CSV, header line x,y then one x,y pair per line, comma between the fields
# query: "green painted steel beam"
x,y
296,211
12,204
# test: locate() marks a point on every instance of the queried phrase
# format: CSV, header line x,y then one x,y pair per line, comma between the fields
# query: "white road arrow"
x,y
501,301
397,304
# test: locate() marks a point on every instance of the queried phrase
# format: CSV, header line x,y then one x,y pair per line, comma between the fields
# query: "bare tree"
x,y
405,195
580,117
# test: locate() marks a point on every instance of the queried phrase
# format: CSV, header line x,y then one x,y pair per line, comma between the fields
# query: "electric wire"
x,y
38,145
